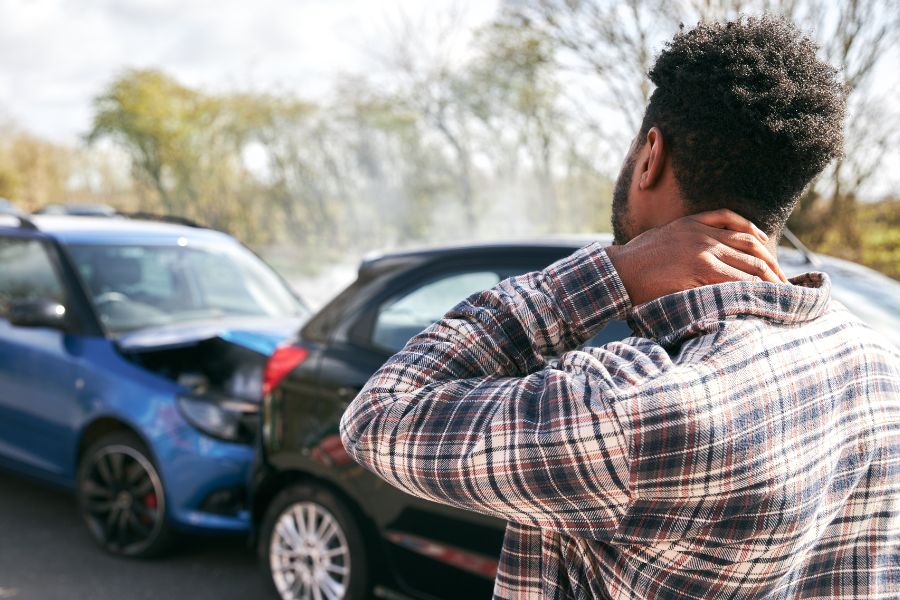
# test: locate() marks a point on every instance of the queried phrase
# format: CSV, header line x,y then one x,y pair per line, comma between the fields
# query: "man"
x,y
744,444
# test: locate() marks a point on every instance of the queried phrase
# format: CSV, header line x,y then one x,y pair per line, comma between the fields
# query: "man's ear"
x,y
654,160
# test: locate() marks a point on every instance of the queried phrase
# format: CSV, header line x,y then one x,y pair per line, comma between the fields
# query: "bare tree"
x,y
423,62
615,40
856,35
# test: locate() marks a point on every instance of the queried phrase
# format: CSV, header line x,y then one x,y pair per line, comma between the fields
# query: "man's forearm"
x,y
471,381
506,331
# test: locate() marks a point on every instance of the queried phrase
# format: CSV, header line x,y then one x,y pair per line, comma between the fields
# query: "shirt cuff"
x,y
588,288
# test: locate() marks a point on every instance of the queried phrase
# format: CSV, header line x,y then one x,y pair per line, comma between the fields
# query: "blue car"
x,y
132,365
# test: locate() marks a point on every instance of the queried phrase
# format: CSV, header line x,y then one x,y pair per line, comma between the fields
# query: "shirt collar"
x,y
672,319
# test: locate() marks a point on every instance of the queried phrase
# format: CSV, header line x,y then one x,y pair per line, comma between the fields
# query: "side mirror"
x,y
38,313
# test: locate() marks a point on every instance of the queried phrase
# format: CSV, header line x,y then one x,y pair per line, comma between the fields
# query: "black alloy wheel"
x,y
121,498
311,547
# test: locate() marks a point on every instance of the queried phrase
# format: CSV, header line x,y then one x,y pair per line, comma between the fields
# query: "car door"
x,y
433,548
38,371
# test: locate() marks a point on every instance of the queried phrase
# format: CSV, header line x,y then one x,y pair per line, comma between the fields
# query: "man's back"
x,y
745,445
765,450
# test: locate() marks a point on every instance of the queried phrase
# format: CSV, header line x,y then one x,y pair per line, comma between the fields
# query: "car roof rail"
x,y
808,254
174,219
26,223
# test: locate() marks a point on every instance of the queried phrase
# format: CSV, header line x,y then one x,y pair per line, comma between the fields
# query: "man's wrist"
x,y
619,258
590,290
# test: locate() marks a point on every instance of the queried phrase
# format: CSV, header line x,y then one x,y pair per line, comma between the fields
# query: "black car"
x,y
322,520
369,533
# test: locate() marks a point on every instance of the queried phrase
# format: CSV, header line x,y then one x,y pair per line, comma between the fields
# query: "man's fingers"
x,y
748,266
726,274
726,219
749,244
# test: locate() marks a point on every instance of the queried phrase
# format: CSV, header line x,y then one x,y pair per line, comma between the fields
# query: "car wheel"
x,y
121,498
311,548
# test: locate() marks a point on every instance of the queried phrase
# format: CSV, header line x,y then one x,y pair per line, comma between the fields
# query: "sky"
x,y
57,55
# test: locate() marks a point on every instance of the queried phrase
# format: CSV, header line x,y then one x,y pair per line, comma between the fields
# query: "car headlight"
x,y
223,418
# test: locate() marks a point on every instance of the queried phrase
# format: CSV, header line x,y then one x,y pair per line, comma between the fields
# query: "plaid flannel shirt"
x,y
745,444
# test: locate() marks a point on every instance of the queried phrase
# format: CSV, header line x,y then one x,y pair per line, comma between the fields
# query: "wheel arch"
x,y
281,480
103,426
272,485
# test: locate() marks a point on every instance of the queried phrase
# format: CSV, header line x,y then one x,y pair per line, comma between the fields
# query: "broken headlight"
x,y
223,418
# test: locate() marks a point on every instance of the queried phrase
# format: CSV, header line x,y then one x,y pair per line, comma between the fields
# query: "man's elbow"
x,y
356,418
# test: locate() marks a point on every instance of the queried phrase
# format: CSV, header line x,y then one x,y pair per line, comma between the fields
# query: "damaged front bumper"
x,y
205,479
205,459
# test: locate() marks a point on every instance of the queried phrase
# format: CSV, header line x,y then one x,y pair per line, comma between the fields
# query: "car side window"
x,y
615,331
405,316
27,273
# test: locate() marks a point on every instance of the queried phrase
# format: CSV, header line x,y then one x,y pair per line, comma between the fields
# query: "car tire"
x,y
121,497
333,557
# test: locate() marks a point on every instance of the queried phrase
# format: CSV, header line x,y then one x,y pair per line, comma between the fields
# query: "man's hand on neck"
x,y
703,249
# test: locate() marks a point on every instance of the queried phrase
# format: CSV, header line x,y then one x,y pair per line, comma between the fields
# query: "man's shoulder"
x,y
835,327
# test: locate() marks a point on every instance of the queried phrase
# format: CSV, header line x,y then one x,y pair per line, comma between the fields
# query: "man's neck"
x,y
772,246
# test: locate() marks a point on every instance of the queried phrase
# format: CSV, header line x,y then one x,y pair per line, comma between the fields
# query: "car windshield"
x,y
136,286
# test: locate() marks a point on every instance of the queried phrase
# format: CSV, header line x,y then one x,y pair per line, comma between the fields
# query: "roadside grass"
x,y
878,224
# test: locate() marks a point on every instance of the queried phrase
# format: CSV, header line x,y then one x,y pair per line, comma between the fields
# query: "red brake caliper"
x,y
149,502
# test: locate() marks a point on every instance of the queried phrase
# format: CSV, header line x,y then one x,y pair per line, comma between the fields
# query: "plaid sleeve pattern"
x,y
467,414
744,444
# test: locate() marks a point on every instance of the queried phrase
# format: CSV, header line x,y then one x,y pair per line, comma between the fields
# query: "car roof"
x,y
375,261
103,230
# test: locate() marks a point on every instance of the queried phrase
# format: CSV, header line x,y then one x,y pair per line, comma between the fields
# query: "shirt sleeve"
x,y
468,415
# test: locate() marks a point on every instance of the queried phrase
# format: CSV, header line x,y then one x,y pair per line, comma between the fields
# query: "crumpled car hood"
x,y
260,334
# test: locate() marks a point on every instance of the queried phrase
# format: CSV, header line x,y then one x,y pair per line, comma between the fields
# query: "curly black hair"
x,y
750,114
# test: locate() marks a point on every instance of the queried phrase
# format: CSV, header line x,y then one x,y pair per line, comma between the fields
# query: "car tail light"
x,y
284,360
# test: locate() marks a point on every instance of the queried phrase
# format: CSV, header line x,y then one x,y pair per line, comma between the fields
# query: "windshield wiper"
x,y
808,254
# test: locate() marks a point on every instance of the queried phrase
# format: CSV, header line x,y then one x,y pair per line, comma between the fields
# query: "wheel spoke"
x,y
324,527
279,551
142,510
327,534
289,534
303,524
297,587
105,473
116,460
332,588
94,489
335,551
300,522
111,519
282,568
316,590
333,568
137,525
311,520
134,472
98,508
144,488
122,537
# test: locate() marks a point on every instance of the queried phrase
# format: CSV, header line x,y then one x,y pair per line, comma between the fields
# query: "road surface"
x,y
46,554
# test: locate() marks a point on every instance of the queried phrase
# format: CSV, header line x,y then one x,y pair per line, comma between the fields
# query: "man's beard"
x,y
621,219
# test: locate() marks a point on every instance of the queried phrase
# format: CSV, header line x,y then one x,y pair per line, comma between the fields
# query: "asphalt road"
x,y
46,554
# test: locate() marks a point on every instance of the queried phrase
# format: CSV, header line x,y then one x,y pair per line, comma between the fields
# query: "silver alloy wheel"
x,y
308,554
